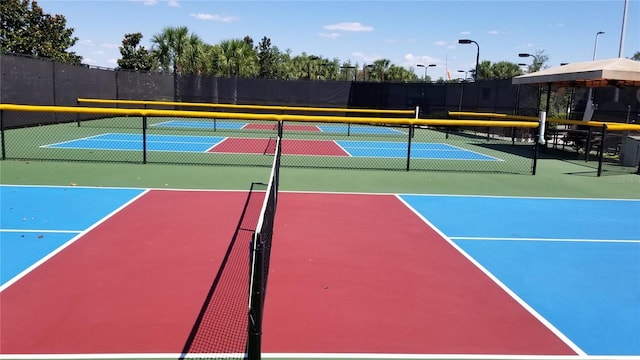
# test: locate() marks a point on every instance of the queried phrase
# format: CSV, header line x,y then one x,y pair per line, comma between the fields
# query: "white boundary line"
x,y
40,231
66,244
341,147
472,238
331,192
319,356
505,288
74,140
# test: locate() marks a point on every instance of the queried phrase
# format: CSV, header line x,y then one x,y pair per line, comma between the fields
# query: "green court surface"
x,y
554,178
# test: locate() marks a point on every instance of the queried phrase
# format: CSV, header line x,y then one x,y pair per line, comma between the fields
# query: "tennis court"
x,y
236,125
105,272
218,144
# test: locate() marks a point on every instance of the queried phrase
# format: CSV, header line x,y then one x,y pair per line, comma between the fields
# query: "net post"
x,y
254,340
601,148
144,139
409,146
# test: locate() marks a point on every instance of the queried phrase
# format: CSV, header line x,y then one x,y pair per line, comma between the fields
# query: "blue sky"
x,y
406,32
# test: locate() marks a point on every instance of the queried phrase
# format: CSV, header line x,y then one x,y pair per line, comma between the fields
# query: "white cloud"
x,y
173,3
366,59
465,33
348,26
493,32
329,35
414,60
99,52
214,17
147,2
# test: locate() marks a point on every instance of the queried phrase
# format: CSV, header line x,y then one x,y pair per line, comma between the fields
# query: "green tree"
x,y
379,70
504,70
636,56
177,51
540,59
238,57
26,29
134,57
267,60
399,73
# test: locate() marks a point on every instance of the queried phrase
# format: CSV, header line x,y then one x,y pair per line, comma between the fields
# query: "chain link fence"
x,y
241,139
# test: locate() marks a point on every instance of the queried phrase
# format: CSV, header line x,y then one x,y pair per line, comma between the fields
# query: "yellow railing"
x,y
614,126
243,107
267,117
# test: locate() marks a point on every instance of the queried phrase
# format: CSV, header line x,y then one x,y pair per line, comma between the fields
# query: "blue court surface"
x,y
33,224
201,144
192,124
119,141
574,261
360,129
418,150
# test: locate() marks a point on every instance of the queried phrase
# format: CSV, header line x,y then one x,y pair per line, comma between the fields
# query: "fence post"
x,y
535,150
409,146
587,147
144,139
601,148
4,152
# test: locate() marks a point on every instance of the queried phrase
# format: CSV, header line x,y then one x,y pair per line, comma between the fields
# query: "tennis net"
x,y
260,255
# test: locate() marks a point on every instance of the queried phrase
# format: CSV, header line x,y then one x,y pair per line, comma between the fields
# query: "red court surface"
x,y
285,127
134,284
289,147
364,274
348,274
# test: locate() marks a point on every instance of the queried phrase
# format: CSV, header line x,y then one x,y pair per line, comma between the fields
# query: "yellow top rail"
x,y
243,107
610,125
268,117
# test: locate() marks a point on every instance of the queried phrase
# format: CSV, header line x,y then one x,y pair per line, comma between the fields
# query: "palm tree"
x,y
171,48
237,57
505,70
380,68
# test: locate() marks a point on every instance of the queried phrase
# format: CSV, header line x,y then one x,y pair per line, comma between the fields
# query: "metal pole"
x,y
256,300
4,152
595,47
144,139
601,148
624,26
409,146
587,148
535,150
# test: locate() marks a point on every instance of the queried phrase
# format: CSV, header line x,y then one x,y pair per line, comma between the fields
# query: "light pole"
x,y
425,69
535,65
364,71
311,58
467,41
348,71
595,46
465,73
